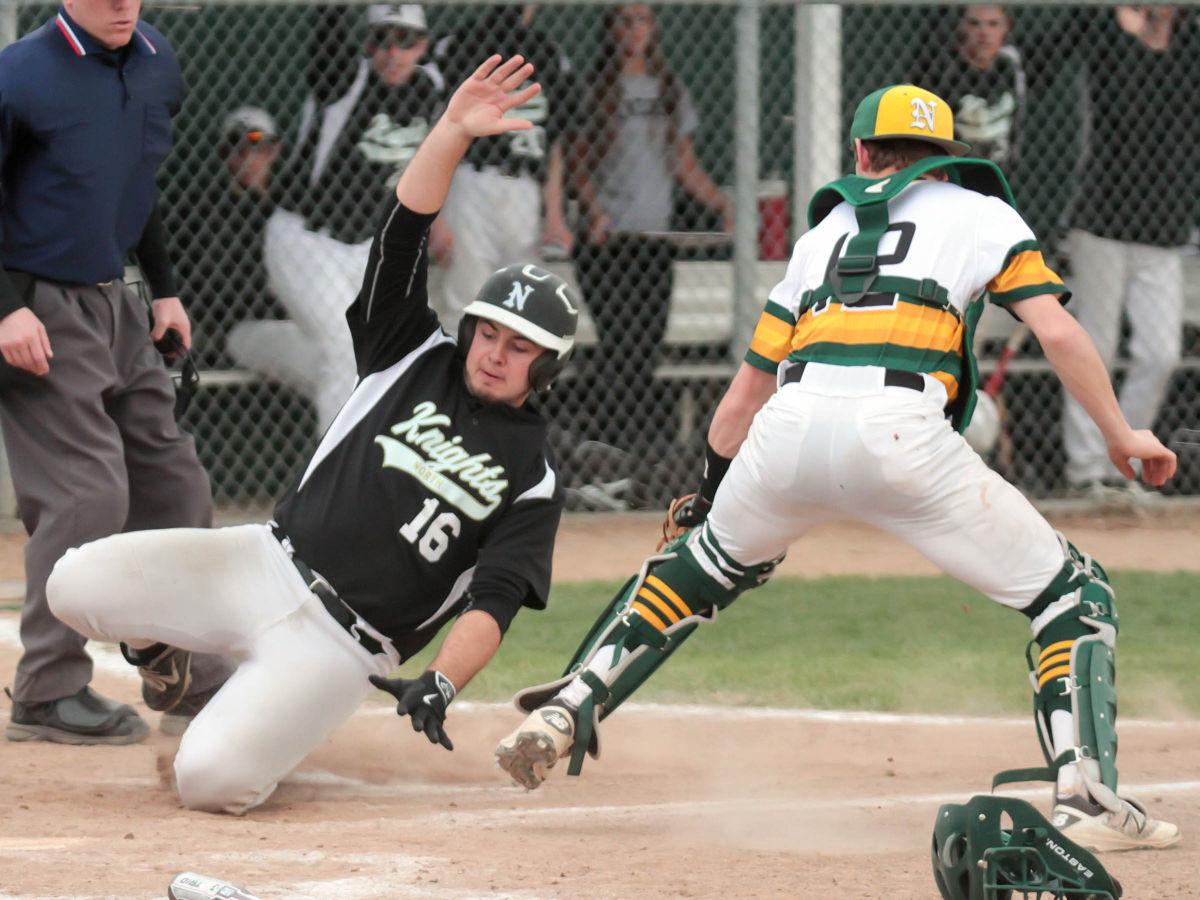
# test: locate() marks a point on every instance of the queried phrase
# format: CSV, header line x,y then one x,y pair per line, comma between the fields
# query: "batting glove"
x,y
424,700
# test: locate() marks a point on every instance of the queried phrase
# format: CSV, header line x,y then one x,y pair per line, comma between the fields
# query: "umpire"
x,y
86,406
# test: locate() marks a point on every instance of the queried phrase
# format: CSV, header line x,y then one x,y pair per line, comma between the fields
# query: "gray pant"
x,y
1146,282
94,450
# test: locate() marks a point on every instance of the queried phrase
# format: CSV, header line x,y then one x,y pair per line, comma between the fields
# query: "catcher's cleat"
x,y
166,674
1100,830
544,736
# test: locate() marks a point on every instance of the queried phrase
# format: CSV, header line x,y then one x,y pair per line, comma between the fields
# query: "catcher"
x,y
850,403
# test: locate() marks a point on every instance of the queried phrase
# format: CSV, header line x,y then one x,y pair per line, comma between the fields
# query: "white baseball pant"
x,y
316,279
1146,282
840,444
496,221
235,593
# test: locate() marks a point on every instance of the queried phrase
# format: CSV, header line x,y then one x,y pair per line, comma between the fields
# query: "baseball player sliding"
x,y
850,402
431,497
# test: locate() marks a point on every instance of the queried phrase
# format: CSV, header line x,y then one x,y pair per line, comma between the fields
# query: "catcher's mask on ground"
x,y
907,111
996,848
534,303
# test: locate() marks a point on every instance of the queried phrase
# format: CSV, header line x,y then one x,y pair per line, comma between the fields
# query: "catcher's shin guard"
x,y
675,591
1074,622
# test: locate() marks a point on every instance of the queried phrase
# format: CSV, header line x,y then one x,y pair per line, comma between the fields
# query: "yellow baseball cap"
x,y
907,111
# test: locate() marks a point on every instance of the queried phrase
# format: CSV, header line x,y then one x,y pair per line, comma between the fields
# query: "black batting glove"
x,y
424,700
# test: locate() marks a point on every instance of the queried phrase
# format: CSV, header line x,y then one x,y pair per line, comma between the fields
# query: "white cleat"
x,y
1102,831
545,735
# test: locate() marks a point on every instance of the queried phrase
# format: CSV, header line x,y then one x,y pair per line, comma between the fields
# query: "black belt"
x,y
891,377
334,605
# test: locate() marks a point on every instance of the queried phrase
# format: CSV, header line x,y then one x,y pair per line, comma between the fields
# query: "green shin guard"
x,y
675,590
1075,626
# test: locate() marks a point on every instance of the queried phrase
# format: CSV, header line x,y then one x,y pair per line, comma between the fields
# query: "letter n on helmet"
x,y
537,305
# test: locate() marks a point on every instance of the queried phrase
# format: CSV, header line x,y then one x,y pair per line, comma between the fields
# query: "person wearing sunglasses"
x,y
350,150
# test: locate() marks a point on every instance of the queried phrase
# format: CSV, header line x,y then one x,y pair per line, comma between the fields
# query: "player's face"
x,y
395,52
498,363
983,31
633,29
250,163
110,22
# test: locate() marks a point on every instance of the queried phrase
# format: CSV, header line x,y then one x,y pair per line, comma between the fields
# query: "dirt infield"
x,y
686,802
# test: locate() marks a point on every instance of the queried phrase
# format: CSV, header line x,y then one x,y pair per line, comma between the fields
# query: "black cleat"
x,y
166,674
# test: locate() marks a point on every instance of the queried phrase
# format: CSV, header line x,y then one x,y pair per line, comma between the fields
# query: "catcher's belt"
x,y
891,377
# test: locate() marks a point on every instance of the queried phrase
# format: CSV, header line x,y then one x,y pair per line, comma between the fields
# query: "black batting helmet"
x,y
536,304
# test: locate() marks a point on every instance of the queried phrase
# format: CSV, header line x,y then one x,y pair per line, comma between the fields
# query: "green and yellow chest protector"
x,y
856,272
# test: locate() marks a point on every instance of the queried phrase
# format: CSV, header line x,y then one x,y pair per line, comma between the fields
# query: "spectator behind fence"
x,y
1133,213
626,160
982,79
496,203
349,149
219,238
86,102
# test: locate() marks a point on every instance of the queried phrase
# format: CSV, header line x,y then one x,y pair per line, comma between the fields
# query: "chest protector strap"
x,y
856,273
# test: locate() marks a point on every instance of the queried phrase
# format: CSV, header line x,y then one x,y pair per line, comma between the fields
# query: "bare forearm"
x,y
1078,365
695,180
426,179
1075,360
747,393
469,646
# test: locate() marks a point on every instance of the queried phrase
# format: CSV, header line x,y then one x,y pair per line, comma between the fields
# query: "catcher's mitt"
x,y
685,512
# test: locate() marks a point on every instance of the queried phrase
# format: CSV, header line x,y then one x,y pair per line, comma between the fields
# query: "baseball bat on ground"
x,y
190,886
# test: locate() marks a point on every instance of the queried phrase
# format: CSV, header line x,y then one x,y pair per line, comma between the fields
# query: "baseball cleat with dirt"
x,y
1102,831
536,745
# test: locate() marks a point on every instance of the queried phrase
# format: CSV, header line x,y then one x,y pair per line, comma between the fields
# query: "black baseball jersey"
x,y
376,129
988,104
422,501
498,30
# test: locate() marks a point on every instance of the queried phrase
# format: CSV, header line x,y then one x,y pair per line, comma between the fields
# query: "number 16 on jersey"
x,y
431,533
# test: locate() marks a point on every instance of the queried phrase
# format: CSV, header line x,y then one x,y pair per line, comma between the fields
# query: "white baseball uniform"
x,y
840,442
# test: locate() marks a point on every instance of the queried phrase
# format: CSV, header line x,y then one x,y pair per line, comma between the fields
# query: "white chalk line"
x,y
108,659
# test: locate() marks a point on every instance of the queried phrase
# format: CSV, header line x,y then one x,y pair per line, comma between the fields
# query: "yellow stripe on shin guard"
x,y
1058,672
1054,662
665,591
649,615
1056,647
663,610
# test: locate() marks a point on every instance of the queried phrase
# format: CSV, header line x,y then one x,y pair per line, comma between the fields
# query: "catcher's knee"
x,y
693,576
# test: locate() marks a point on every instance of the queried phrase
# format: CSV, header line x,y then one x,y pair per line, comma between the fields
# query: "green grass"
x,y
889,644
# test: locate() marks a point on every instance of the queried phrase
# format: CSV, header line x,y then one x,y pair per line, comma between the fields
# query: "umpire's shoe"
x,y
546,734
166,674
82,718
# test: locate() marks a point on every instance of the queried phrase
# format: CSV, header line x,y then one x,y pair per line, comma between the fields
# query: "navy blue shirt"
x,y
83,130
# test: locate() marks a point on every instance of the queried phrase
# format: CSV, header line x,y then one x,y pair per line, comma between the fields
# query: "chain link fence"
x,y
687,140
